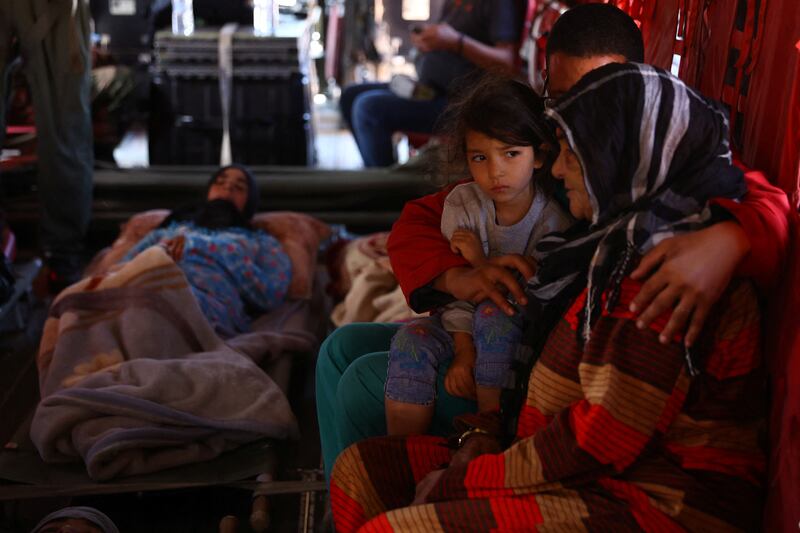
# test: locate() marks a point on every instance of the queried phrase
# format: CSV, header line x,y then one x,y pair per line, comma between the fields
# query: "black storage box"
x,y
128,26
270,112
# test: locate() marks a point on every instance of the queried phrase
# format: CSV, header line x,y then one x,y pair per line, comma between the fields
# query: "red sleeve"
x,y
417,249
763,215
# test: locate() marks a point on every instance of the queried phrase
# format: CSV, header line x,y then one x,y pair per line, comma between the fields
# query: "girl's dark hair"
x,y
502,108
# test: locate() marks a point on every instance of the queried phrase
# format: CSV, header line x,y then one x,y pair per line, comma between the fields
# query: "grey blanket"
x,y
134,380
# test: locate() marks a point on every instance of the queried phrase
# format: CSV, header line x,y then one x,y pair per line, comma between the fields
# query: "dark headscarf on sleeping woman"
x,y
218,214
653,153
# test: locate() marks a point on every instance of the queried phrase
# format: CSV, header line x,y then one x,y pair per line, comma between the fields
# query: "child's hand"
x,y
459,380
174,247
466,243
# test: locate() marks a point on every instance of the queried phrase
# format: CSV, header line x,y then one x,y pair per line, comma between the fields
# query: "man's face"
x,y
564,71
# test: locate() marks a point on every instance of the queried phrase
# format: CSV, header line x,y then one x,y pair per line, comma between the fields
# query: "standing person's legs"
x,y
59,73
5,50
379,113
339,351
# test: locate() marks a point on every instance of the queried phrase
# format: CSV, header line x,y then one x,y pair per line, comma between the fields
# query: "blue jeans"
x,y
422,347
374,113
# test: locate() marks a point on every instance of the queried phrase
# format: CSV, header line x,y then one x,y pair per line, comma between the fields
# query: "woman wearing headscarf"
x,y
76,520
602,425
233,269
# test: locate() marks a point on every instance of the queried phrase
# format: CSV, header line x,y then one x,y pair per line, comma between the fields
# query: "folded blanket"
x,y
133,379
371,291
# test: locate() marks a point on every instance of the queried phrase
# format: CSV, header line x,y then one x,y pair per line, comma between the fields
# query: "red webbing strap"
x,y
659,24
690,59
648,11
680,33
749,45
756,49
530,14
782,356
636,9
737,103
531,7
789,174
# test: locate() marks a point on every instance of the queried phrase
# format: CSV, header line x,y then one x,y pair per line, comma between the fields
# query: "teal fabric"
x,y
351,373
58,71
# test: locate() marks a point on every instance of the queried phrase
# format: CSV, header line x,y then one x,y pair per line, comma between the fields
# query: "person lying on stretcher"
x,y
233,268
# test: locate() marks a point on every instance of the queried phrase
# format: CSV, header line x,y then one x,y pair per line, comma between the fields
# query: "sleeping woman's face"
x,y
568,168
230,185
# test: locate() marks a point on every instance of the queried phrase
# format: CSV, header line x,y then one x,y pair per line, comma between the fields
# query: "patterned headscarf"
x,y
219,214
90,514
251,206
653,152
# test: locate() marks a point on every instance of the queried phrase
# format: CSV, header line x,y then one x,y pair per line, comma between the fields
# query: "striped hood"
x,y
653,153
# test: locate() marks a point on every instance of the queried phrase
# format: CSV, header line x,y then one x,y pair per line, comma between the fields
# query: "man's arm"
x,y
763,216
678,273
418,251
431,275
445,37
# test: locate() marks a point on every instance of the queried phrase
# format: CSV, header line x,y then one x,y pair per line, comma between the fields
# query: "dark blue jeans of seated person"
x,y
374,113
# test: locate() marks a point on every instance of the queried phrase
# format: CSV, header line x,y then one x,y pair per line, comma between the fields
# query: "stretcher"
x,y
263,468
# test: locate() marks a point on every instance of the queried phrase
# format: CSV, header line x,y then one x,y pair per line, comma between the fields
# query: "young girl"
x,y
498,130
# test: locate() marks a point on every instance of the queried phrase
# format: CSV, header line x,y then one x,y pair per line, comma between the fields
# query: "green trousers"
x,y
351,373
55,48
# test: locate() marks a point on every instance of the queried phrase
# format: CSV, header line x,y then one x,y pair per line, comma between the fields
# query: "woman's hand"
x,y
688,274
436,37
475,445
468,245
489,281
459,380
425,486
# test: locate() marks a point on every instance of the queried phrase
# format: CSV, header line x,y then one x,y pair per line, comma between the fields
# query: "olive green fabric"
x,y
55,48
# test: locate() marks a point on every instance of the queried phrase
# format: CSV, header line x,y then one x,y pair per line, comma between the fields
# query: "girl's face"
x,y
568,168
503,172
230,185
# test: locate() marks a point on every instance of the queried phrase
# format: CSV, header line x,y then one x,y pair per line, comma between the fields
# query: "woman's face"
x,y
230,185
568,168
